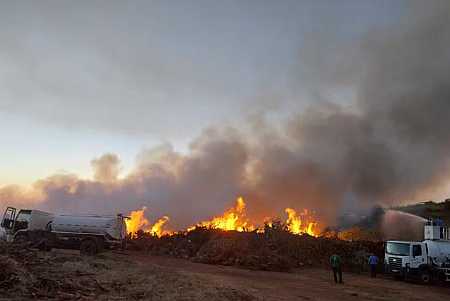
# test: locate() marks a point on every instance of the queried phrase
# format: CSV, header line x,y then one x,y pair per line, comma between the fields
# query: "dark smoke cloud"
x,y
392,145
404,95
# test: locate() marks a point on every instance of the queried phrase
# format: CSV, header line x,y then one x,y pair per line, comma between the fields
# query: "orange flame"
x,y
138,221
299,224
157,228
232,219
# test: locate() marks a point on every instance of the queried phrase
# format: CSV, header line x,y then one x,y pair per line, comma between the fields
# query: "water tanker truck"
x,y
88,233
427,260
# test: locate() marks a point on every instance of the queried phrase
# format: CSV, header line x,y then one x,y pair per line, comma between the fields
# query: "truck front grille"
x,y
395,264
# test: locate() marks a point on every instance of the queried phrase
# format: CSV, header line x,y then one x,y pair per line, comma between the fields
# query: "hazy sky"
x,y
81,78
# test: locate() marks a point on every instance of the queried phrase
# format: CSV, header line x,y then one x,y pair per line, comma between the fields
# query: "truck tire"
x,y
88,247
425,277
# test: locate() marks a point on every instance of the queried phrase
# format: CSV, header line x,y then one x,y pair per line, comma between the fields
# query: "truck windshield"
x,y
22,220
396,248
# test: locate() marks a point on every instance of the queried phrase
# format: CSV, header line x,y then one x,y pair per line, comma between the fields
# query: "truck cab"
x,y
426,260
403,258
16,223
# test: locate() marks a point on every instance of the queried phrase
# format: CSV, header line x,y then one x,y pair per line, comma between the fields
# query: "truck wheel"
x,y
88,247
425,277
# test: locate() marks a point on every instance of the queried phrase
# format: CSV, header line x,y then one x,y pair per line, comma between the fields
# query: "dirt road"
x,y
305,284
65,275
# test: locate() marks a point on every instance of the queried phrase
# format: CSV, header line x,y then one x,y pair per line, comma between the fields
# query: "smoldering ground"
x,y
392,144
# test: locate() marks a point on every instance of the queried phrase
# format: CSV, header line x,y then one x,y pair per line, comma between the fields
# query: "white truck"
x,y
427,260
88,233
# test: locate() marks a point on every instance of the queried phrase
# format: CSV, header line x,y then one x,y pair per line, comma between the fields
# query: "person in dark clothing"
x,y
373,262
440,223
335,262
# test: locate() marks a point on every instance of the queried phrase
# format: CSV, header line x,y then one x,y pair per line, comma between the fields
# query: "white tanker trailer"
x,y
88,233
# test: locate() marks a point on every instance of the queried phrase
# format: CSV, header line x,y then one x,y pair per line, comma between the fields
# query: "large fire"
x,y
157,228
300,223
137,221
232,219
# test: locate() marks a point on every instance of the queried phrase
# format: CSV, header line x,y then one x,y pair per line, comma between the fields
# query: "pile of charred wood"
x,y
275,249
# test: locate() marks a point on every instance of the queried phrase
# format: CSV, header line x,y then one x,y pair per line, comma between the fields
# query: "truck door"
x,y
8,219
418,256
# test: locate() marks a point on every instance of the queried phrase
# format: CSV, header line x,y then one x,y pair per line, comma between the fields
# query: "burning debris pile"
x,y
231,239
275,249
233,219
137,222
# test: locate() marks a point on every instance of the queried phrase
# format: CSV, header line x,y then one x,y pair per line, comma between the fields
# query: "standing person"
x,y
440,223
373,261
335,261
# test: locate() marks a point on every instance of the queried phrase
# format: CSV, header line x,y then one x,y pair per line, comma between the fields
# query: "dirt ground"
x,y
304,284
65,275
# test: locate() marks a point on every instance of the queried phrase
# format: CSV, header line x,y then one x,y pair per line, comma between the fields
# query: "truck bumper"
x,y
396,271
444,274
393,270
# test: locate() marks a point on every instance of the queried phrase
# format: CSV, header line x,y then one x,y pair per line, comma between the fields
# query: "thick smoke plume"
x,y
393,144
106,168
